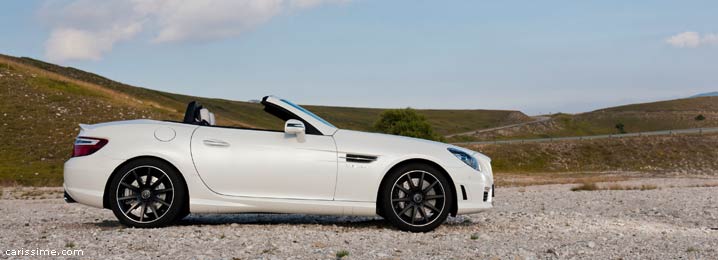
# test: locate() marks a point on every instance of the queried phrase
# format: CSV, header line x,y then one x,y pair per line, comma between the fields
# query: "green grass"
x,y
64,87
342,253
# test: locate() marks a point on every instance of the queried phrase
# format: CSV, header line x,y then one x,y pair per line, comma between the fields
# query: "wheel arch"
x,y
454,207
106,193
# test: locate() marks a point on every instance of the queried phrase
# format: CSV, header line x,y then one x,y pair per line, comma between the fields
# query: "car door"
x,y
268,164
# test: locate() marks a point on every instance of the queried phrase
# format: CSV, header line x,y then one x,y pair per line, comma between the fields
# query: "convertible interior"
x,y
197,114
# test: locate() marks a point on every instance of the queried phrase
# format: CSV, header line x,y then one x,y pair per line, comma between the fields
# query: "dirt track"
x,y
544,222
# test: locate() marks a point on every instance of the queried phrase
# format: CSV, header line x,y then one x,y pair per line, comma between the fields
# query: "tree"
x,y
700,117
621,128
406,122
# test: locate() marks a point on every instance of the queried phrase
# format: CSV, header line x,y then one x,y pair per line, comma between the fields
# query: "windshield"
x,y
308,112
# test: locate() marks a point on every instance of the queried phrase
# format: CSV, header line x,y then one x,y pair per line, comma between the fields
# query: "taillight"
x,y
87,145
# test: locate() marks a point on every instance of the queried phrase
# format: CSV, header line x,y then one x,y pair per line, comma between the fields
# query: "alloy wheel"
x,y
145,194
418,198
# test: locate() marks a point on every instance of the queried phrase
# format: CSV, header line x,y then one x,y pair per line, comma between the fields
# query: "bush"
x,y
406,122
342,253
587,186
590,186
621,128
700,117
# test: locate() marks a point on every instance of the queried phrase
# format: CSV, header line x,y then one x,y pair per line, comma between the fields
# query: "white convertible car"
x,y
151,173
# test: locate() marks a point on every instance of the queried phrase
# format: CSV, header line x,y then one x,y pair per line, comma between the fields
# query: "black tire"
x,y
140,203
416,197
182,215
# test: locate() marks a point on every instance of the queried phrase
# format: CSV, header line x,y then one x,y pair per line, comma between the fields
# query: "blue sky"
x,y
534,56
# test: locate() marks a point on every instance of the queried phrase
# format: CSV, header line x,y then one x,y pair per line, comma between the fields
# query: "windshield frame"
x,y
304,110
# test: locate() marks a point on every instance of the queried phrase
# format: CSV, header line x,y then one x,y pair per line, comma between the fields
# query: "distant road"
x,y
591,137
538,120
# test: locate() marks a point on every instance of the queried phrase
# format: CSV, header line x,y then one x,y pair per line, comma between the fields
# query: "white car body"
x,y
230,170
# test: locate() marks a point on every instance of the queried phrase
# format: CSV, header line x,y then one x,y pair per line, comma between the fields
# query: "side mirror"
x,y
295,127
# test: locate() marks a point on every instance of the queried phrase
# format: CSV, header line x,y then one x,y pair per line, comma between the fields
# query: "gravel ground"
x,y
677,220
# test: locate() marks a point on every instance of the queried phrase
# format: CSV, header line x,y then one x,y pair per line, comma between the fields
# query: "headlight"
x,y
466,158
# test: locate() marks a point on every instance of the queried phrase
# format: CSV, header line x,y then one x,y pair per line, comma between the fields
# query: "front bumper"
x,y
477,199
474,189
68,198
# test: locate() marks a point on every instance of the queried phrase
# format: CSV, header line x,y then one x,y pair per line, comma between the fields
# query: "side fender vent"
x,y
356,158
463,192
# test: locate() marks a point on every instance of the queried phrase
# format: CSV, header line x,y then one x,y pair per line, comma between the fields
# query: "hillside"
x,y
654,116
679,154
43,104
708,94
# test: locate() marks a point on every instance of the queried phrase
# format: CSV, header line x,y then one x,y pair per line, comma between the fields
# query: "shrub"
x,y
621,128
700,117
587,186
590,186
406,122
621,187
342,253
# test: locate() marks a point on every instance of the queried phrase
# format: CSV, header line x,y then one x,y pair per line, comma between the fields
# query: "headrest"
x,y
211,119
204,116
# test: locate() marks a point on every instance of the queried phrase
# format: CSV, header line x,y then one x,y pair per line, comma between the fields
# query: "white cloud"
x,y
86,29
70,43
711,39
313,3
209,20
692,40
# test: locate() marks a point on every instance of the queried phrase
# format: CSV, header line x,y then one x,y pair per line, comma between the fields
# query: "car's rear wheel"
x,y
147,193
416,198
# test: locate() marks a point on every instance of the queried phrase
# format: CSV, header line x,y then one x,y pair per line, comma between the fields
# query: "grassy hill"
x,y
662,115
42,105
679,154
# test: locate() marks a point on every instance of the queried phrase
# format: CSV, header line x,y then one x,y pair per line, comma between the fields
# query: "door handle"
x,y
215,142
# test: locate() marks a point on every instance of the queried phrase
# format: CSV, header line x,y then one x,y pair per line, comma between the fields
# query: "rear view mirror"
x,y
295,127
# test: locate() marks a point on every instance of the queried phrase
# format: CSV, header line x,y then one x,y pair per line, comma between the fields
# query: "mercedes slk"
x,y
151,173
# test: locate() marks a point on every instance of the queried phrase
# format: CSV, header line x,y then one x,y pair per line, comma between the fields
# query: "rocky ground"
x,y
677,219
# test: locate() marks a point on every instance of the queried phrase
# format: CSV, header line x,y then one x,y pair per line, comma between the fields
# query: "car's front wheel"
x,y
147,193
416,198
